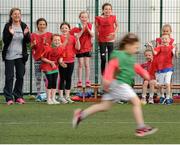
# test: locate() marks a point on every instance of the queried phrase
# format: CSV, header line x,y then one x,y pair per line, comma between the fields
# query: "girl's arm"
x,y
60,61
109,72
152,49
116,27
142,72
77,45
48,61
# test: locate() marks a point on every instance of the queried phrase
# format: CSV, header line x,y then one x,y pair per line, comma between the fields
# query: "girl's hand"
x,y
52,63
26,30
11,30
111,36
64,65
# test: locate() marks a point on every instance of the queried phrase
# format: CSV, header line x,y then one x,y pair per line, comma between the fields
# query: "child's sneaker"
x,y
50,102
10,102
54,101
79,84
69,100
169,101
162,100
143,101
150,101
88,83
20,101
62,100
76,118
145,131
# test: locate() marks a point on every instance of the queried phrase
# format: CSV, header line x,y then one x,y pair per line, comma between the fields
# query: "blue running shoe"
x,y
162,100
169,101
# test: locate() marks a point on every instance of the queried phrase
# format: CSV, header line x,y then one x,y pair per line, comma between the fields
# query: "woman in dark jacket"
x,y
16,36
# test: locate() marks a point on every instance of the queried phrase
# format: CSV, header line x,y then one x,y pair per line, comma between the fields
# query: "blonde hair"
x,y
167,26
83,12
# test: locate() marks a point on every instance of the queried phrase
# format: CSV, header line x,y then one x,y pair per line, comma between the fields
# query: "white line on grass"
x,y
63,122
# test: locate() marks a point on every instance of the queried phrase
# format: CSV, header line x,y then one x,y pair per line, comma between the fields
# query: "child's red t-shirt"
x,y
105,27
41,39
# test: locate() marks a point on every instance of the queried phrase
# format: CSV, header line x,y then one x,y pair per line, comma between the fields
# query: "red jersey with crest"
x,y
69,50
105,27
164,57
41,39
85,39
53,54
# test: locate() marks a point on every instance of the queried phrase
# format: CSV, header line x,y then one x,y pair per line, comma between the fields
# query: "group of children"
x,y
72,42
160,66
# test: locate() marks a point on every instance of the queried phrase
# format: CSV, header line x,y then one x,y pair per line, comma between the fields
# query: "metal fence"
x,y
144,17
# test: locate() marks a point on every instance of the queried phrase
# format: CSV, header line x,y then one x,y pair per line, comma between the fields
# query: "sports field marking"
x,y
63,122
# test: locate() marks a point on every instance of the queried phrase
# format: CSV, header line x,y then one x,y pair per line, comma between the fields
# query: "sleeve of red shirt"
x,y
110,69
142,72
157,49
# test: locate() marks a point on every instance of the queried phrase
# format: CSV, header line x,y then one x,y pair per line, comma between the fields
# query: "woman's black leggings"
x,y
66,76
103,46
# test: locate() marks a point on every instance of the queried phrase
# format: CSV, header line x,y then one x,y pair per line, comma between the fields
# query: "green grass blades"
x,y
39,123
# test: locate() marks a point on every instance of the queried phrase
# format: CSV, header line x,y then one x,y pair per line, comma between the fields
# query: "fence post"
x,y
64,10
129,15
161,15
96,45
31,27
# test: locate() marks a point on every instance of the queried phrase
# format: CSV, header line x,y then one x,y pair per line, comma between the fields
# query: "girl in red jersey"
x,y
39,38
84,32
52,56
117,84
68,58
106,28
164,67
152,82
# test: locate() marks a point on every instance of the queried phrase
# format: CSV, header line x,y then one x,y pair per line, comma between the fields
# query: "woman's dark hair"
x,y
65,23
104,5
39,20
129,38
11,12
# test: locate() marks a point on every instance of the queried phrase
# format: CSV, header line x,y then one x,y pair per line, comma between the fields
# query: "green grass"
x,y
39,123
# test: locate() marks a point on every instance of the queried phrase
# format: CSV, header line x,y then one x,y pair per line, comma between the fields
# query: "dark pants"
x,y
66,76
19,66
52,80
103,46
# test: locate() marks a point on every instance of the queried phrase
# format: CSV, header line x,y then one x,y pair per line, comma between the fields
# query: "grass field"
x,y
39,123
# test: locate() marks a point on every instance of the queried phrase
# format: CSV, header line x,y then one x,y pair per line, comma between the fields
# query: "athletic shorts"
x,y
86,54
119,92
164,78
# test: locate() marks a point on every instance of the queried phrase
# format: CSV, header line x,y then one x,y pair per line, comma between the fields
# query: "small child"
x,y
50,59
164,67
38,39
84,32
152,82
117,81
69,53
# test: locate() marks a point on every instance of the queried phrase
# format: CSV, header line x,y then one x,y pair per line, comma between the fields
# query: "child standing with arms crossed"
x,y
51,58
106,29
68,58
84,32
38,39
152,82
116,83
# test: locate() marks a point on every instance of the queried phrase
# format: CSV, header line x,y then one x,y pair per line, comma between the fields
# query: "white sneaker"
x,y
62,100
50,102
143,101
150,101
69,100
55,102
